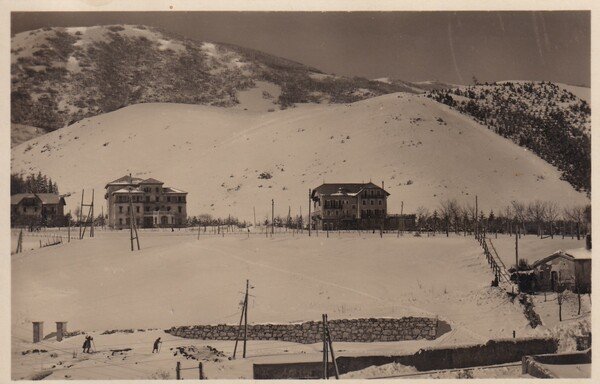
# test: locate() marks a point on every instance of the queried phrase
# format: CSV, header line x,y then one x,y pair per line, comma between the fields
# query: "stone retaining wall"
x,y
355,330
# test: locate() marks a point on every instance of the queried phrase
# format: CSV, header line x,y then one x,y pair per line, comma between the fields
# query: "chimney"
x,y
382,184
61,330
38,331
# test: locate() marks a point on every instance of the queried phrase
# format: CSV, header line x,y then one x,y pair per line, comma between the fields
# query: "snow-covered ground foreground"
x,y
99,284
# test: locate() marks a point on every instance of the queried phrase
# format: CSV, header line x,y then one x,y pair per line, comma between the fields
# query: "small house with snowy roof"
x,y
564,269
37,208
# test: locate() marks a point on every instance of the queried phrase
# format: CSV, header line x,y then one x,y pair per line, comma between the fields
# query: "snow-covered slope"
x,y
545,117
424,151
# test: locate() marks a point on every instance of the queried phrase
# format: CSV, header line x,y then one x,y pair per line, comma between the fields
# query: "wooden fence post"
x,y
178,371
200,372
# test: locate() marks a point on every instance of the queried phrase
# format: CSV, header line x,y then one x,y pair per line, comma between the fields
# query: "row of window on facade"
x,y
139,199
373,193
164,220
333,204
147,209
35,209
363,212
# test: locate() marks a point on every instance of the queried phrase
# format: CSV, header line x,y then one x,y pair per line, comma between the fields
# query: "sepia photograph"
x,y
276,195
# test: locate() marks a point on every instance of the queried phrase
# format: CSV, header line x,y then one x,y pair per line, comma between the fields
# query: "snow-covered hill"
x,y
423,150
552,120
62,75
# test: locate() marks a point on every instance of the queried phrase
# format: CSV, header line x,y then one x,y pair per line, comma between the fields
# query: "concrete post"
x,y
61,329
38,331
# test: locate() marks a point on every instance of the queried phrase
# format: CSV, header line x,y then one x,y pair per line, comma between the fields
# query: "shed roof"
x,y
555,255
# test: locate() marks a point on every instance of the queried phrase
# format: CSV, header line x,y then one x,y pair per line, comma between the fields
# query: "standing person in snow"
x,y
86,345
157,342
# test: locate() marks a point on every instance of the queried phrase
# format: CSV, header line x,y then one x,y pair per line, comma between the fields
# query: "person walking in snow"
x,y
157,343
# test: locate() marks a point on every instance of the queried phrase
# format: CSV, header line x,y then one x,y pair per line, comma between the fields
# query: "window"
x,y
127,221
379,202
168,208
179,209
120,221
364,202
147,199
137,209
168,199
371,202
156,189
157,198
120,209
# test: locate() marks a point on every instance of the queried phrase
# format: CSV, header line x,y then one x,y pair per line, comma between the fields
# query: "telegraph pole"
x,y
309,220
476,217
272,217
246,318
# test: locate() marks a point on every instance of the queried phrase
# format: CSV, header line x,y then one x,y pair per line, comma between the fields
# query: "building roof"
x,y
151,181
50,198
555,255
173,190
127,190
45,198
125,180
341,189
580,253
16,199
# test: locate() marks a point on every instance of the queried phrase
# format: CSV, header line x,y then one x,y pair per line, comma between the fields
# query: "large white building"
x,y
154,205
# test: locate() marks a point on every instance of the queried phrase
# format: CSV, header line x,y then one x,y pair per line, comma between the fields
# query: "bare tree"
x,y
536,212
519,212
552,215
450,211
577,215
422,216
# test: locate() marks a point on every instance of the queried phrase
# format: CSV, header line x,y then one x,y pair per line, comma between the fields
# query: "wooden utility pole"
x,y
20,242
401,219
476,217
309,220
328,346
272,217
81,214
325,352
89,219
69,227
246,318
132,226
92,215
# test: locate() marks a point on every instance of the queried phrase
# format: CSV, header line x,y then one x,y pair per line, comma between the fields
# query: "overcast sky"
x,y
416,46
